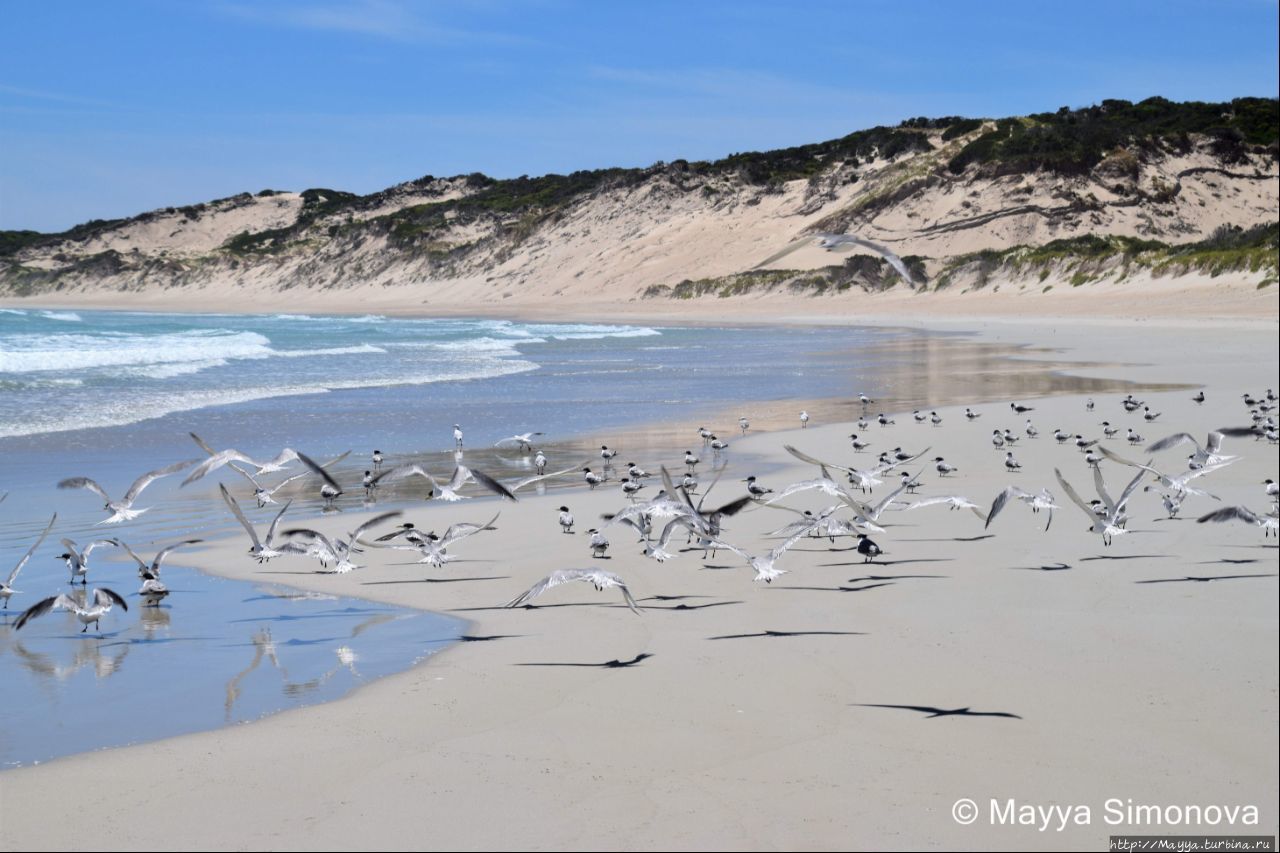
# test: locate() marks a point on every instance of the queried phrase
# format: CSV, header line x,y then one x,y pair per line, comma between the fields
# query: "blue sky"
x,y
110,109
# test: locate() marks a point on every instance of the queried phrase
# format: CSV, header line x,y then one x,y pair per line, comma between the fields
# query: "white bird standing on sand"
x,y
1032,432
691,461
858,444
884,420
103,600
377,460
943,467
598,578
804,420
540,462
744,425
971,414
599,544
457,436
122,510
997,439
607,455
566,520
78,561
593,479
935,418
6,588
1148,415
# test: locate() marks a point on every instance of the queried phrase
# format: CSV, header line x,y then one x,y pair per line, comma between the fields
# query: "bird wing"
x,y
275,522
1075,498
732,508
244,522
880,507
164,552
371,523
84,483
554,579
940,499
151,476
27,556
1101,487
999,503
491,484
719,543
464,529
403,472
1129,490
142,564
804,457
1115,457
42,607
626,594
216,461
782,549
528,481
317,469
307,533
107,598
97,543
1231,513
1173,441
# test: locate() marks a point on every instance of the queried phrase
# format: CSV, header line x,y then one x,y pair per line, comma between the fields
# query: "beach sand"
x,y
1147,693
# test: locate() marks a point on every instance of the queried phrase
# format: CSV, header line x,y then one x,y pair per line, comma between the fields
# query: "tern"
x,y
461,476
601,580
1269,523
152,570
264,549
524,441
566,520
1111,522
6,588
316,544
78,560
122,510
764,566
599,544
103,600
433,548
1211,452
1042,500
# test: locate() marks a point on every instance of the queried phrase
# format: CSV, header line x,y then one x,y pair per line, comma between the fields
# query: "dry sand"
x,y
1158,693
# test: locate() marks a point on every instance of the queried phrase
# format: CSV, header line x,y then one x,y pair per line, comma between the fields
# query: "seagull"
x,y
1012,465
566,520
123,509
858,444
457,436
804,420
1009,438
592,479
522,440
764,566
1061,436
1172,502
1108,430
943,467
865,400
1211,453
78,561
1042,500
598,578
377,459
743,424
540,462
863,423
755,489
919,418
1148,415
971,414
1273,490
705,433
717,445
218,458
538,478
152,592
1269,523
1198,399
691,461
6,588
911,483
630,487
1020,409
1133,437
997,439
1111,522
935,418
1083,444
103,600
1032,432
884,420
264,549
1088,405
607,455
1176,484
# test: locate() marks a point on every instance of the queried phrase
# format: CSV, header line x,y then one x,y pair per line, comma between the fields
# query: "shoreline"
x,y
476,710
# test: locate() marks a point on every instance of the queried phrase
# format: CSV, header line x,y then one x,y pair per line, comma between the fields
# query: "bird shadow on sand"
x,y
869,578
671,597
893,563
1227,560
835,588
978,538
438,580
768,633
476,638
930,711
609,664
691,606
1126,557
1051,567
1206,578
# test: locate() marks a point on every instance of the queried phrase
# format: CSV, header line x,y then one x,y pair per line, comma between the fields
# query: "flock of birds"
x,y
678,509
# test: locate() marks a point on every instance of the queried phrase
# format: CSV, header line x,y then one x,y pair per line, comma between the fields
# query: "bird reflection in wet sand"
x,y
263,647
105,659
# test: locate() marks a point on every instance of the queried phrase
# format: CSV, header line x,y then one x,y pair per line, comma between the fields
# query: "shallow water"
x,y
216,652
